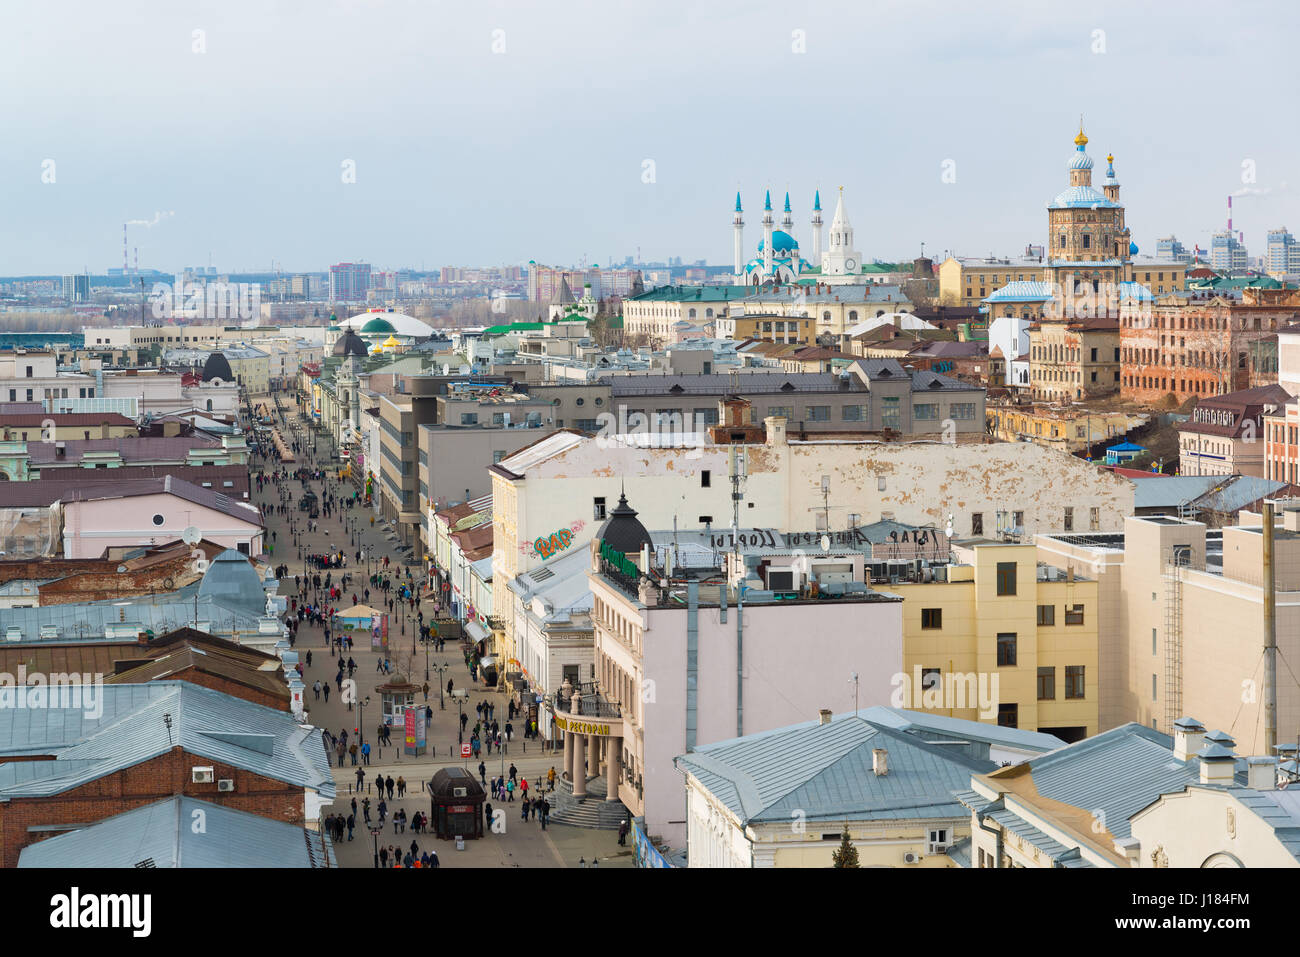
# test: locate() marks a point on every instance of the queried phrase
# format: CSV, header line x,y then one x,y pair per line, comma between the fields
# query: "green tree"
x,y
846,855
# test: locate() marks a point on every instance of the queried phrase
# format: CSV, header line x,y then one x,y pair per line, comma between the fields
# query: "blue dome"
x,y
782,242
1081,160
1132,249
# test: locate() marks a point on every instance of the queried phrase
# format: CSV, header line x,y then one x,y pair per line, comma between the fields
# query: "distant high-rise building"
x,y
349,282
76,288
1227,254
1170,249
1283,258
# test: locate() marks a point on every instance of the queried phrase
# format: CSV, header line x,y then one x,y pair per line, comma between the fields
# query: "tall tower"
x,y
738,225
767,236
841,259
817,228
787,219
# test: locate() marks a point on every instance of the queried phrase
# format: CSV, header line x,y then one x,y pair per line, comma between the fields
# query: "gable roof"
x,y
160,834
123,725
826,771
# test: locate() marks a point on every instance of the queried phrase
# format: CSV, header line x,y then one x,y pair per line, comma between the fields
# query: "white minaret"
x,y
767,236
787,218
841,259
817,228
738,224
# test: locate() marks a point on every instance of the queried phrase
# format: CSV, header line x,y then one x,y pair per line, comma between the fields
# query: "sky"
x,y
415,134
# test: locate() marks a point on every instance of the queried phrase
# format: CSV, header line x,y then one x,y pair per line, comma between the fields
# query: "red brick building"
x,y
1199,345
140,743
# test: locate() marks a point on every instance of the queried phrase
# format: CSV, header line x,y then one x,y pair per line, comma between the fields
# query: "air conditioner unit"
x,y
911,858
460,792
939,847
226,784
201,775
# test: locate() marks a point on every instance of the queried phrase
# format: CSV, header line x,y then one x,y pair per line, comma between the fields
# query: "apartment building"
x,y
1002,638
1225,435
1181,621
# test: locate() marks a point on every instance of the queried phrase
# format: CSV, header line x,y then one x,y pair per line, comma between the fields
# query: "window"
x,y
1074,681
977,523
1094,519
925,411
598,509
1046,684
1018,519
1006,578
1046,616
1008,716
1153,687
891,413
931,617
1074,615
1153,641
498,455
1007,649
819,413
158,520
853,413
1069,519
783,411
962,410
880,483
469,418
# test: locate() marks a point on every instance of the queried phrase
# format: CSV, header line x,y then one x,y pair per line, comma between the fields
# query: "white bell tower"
x,y
841,259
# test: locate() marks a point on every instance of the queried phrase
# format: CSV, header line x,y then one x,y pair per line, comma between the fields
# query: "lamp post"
x,y
442,670
375,832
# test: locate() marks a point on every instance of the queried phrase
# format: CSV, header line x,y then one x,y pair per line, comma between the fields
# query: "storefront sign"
x,y
581,727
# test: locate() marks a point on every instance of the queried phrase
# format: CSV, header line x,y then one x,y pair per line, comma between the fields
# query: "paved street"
x,y
524,844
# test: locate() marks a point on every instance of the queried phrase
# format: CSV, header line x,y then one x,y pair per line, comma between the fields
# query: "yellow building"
x,y
968,282
1069,428
65,427
1001,639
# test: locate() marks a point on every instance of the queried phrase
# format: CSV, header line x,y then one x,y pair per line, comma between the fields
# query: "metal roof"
x,y
826,772
161,834
1115,773
95,730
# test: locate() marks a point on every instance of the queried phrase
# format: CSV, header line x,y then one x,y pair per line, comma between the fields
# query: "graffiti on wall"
x,y
545,546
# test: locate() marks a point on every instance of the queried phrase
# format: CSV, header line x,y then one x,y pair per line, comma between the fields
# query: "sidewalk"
x,y
524,844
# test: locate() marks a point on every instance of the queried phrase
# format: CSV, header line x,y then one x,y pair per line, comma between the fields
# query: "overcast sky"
x,y
464,155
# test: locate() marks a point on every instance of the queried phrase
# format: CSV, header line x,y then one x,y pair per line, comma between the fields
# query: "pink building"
x,y
138,512
679,665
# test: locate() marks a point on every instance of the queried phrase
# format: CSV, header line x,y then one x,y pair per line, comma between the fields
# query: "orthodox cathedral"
x,y
779,258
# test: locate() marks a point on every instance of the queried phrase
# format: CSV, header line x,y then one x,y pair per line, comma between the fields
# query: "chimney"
x,y
1188,734
880,761
1261,773
824,716
1218,760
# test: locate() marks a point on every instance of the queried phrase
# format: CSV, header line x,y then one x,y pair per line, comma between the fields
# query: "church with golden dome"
x,y
1088,240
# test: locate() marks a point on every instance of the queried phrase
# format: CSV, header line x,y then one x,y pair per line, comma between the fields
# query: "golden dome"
x,y
1081,140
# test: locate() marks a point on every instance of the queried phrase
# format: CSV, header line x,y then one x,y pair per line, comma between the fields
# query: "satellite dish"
x,y
191,536
826,543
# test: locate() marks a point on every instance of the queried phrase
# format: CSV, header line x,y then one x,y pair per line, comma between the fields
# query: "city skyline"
x,y
547,159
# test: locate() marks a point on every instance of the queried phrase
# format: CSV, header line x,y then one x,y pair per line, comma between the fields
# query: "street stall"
x,y
456,804
396,696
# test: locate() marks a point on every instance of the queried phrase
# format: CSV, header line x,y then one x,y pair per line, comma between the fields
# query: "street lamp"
x,y
375,832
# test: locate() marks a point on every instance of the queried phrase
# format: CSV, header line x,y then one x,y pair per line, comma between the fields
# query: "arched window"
x,y
826,316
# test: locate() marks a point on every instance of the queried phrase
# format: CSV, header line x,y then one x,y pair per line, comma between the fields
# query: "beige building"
x,y
561,487
1000,638
1181,621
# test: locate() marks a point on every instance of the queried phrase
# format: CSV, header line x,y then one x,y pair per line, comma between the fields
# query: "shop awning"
x,y
477,632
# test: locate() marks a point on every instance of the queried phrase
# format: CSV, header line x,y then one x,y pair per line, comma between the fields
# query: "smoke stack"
x,y
1188,735
824,716
880,761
